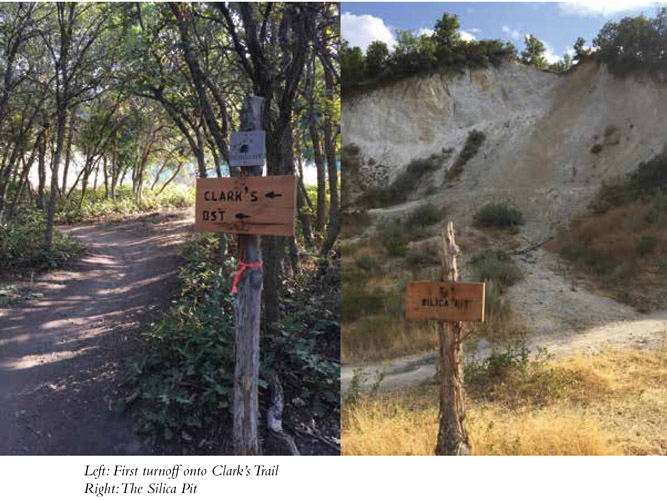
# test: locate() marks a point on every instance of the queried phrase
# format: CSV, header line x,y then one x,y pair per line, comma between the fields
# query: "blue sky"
x,y
556,24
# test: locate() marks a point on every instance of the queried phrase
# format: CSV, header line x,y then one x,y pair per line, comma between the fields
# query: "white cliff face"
x,y
540,128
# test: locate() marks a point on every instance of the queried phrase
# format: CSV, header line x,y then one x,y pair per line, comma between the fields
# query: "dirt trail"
x,y
561,315
61,353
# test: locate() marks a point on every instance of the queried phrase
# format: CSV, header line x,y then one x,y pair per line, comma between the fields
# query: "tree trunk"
x,y
41,172
247,308
321,216
330,149
452,433
68,151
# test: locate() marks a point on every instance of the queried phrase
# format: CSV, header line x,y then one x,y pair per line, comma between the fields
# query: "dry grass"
x,y
612,403
378,337
622,250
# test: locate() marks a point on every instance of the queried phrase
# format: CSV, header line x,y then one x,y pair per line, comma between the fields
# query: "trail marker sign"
x,y
448,301
246,205
247,148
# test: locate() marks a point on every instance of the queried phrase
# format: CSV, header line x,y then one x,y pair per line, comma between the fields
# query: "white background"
x,y
361,477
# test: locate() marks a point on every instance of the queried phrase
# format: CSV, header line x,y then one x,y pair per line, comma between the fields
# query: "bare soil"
x,y
63,351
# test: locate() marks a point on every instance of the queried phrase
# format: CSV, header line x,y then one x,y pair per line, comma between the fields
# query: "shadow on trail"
x,y
60,354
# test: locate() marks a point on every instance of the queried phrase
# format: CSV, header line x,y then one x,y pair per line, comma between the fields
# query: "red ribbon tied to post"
x,y
237,276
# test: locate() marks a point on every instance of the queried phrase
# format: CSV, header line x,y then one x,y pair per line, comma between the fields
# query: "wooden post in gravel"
x,y
452,434
247,313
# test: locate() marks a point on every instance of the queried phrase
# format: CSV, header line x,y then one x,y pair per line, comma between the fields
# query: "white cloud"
x,y
361,30
549,54
466,36
425,31
512,33
604,7
475,30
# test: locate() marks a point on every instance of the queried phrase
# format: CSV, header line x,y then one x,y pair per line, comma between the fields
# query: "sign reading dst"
x,y
247,148
246,205
453,301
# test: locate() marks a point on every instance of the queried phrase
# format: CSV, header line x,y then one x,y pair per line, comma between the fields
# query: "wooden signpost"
x,y
246,205
449,303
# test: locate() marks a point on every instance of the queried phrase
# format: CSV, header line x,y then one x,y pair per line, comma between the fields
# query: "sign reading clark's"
x,y
246,205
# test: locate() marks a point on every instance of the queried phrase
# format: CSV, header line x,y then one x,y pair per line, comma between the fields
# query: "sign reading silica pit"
x,y
246,205
247,148
454,301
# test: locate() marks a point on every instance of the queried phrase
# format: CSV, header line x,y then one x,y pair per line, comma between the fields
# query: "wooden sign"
x,y
453,301
246,205
247,148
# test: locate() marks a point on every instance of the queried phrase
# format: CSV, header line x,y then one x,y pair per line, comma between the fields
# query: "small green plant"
x,y
424,215
496,266
422,256
498,215
394,239
354,393
646,244
367,263
404,184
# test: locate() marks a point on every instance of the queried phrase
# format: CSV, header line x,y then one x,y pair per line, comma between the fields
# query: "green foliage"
x,y
413,54
367,263
634,43
498,215
376,57
517,377
516,356
352,62
356,302
96,205
22,245
563,65
405,183
579,49
425,215
496,266
649,178
474,141
353,394
646,244
184,381
533,54
394,239
422,256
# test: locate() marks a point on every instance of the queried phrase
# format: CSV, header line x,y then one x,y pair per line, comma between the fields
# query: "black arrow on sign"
x,y
241,216
272,195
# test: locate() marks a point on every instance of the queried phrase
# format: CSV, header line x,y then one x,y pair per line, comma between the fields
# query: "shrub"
x,y
423,256
474,141
596,149
22,244
367,263
498,215
394,239
649,178
182,384
496,266
357,302
646,244
403,185
425,215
